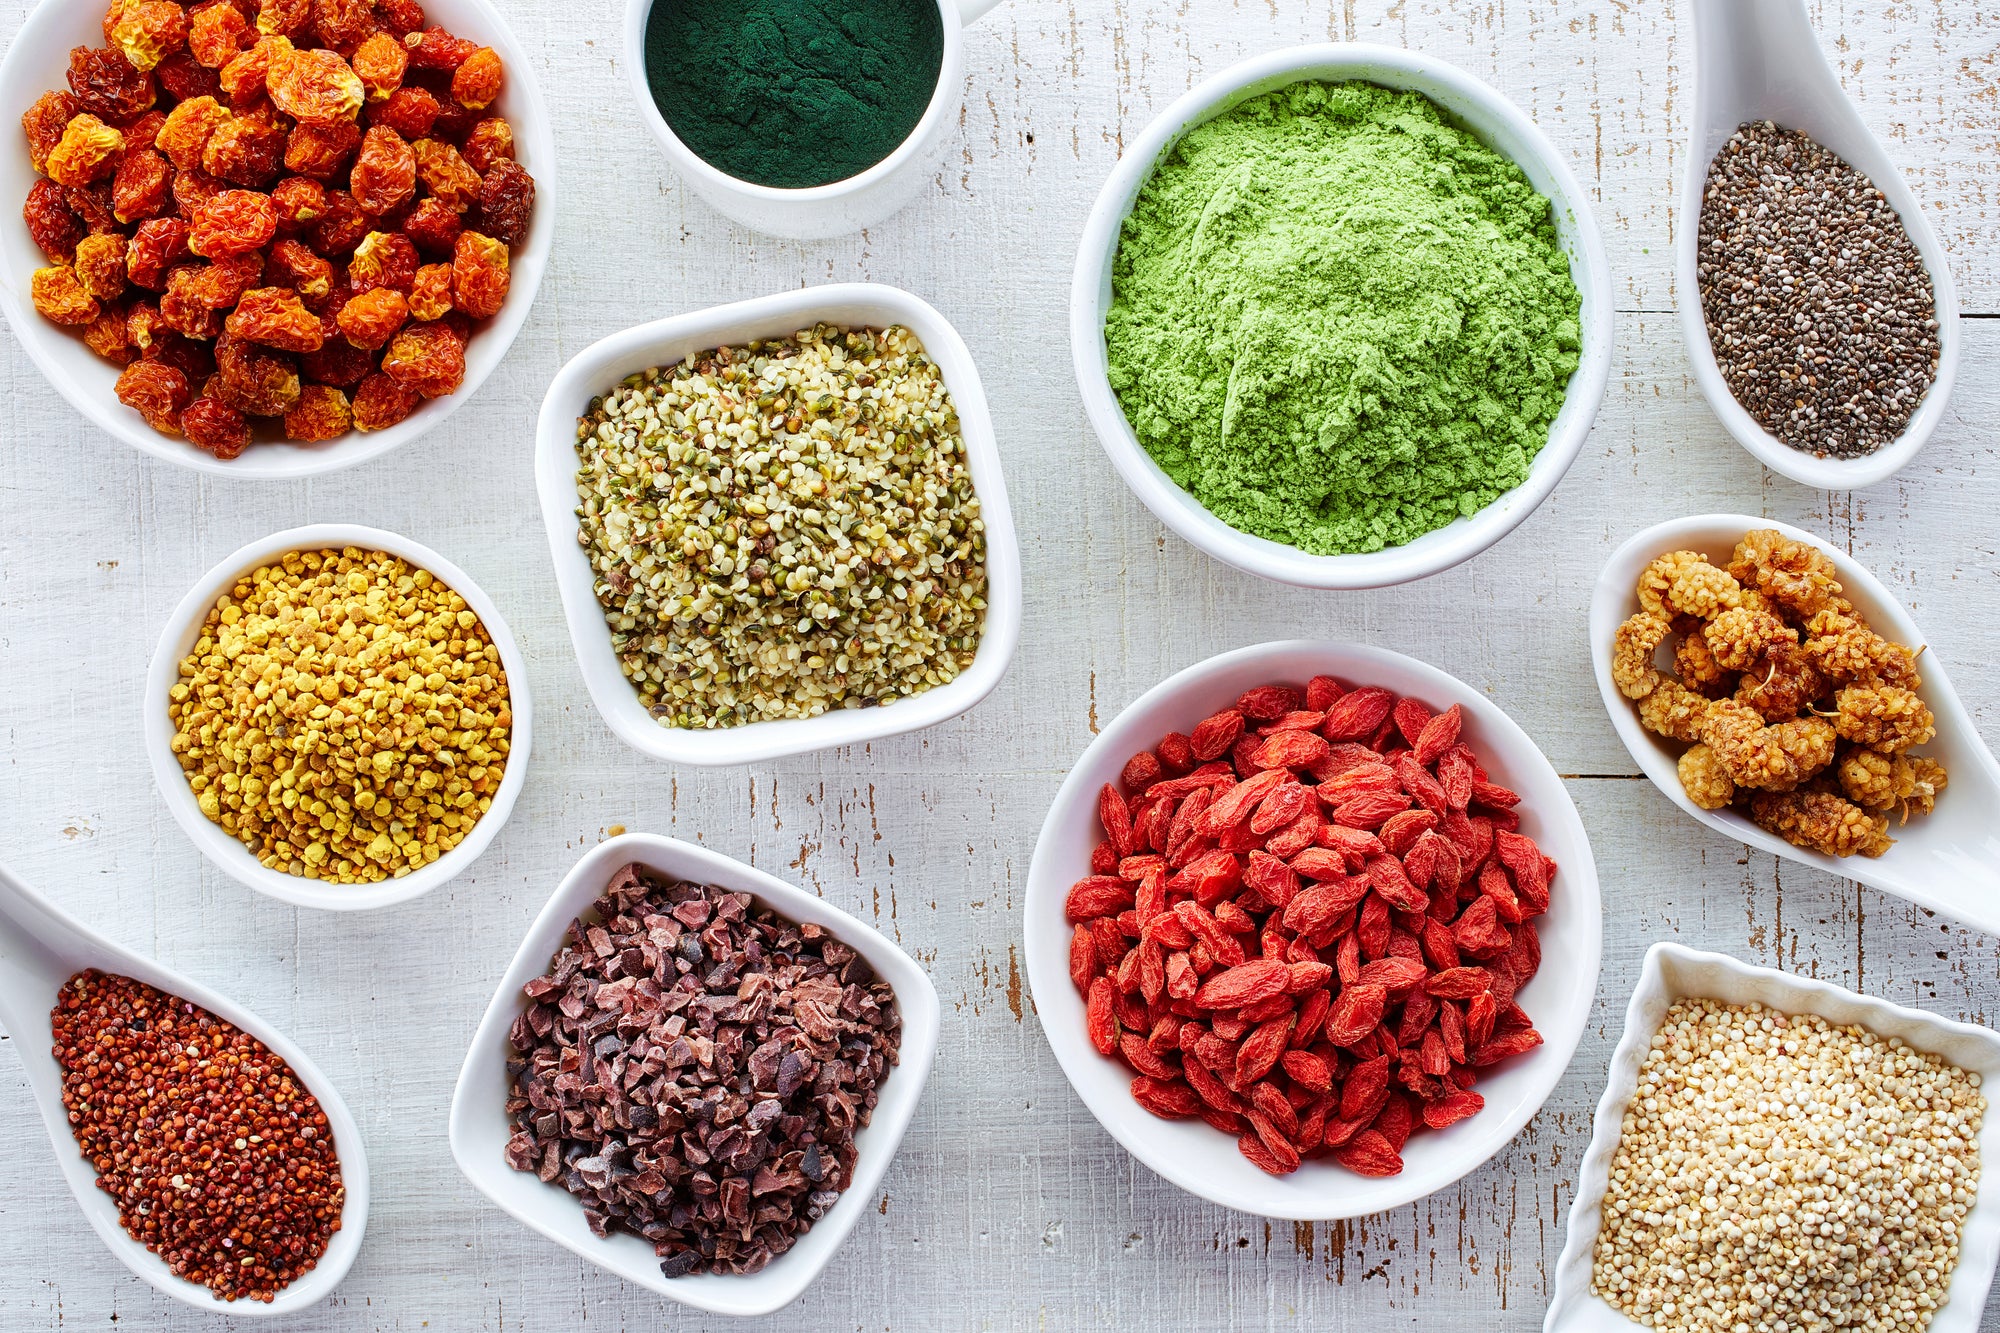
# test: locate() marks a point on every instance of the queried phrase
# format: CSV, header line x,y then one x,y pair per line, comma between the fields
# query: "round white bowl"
x,y
480,1127
38,60
1190,1153
177,640
598,369
1497,123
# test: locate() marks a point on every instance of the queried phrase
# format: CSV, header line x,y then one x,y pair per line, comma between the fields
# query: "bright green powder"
x,y
1339,321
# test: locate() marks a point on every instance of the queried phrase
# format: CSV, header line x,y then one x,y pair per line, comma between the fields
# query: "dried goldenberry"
x,y
88,151
45,121
192,359
383,259
107,85
479,276
145,131
215,426
315,87
430,293
446,174
100,265
434,228
300,269
145,326
188,127
53,227
338,362
143,186
182,77
380,63
488,142
60,297
218,33
410,112
157,392
147,31
507,202
92,204
322,151
371,318
156,247
246,150
341,25
322,413
454,122
382,402
401,17
193,188
244,78
234,222
182,310
336,234
385,172
111,338
285,18
300,201
434,48
212,287
255,380
477,82
429,358
274,317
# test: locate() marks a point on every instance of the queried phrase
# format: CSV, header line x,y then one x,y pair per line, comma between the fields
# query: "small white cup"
x,y
821,210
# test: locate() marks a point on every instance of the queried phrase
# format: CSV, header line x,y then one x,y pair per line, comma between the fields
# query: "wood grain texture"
x,y
1008,1208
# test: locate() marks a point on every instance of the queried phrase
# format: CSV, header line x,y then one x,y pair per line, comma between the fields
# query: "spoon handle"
x,y
1757,59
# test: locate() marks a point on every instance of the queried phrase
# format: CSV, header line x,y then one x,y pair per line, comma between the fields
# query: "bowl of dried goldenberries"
x,y
1286,924
1774,689
271,238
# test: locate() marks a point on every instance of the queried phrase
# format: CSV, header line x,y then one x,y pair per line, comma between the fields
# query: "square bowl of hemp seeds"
x,y
780,526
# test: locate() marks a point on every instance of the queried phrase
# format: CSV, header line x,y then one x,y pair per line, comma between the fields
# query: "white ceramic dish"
x,y
40,949
1497,123
480,1127
183,628
1190,1153
668,341
39,60
1759,60
1948,860
1674,972
823,210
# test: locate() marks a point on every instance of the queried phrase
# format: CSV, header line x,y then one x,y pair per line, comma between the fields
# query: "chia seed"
x,y
1819,308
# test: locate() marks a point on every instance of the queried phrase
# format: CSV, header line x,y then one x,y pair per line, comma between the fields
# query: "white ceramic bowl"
x,y
1674,972
598,369
1498,124
480,1127
1948,860
232,857
1762,62
1190,1153
39,60
40,949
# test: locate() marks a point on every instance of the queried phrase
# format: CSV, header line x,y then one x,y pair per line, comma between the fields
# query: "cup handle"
x,y
971,11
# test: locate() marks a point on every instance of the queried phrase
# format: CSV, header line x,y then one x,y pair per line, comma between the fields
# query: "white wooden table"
x,y
1008,1206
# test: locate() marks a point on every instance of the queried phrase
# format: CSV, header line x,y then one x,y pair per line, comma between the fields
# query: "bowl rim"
x,y
1436,551
288,460
587,375
1060,1011
1573,1305
902,1089
224,852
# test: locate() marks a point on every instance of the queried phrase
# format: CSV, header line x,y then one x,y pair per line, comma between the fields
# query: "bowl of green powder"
x,y
1341,316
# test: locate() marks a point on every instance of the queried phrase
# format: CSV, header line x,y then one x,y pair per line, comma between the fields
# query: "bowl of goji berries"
x,y
271,238
1286,923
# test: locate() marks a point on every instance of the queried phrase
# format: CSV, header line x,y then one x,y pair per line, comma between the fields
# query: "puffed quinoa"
x,y
784,528
1784,1174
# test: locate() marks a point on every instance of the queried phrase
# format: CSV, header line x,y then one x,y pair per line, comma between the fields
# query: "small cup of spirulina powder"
x,y
793,94
1819,308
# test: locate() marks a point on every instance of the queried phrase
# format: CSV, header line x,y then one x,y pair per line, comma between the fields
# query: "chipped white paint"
x,y
1008,1208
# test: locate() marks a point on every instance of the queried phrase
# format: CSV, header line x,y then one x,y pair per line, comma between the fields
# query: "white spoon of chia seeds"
x,y
1759,60
40,949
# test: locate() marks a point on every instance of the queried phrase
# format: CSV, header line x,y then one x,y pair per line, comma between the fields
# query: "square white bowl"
x,y
666,342
1673,972
480,1127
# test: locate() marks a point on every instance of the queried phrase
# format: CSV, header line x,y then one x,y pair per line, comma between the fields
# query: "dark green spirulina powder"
x,y
793,93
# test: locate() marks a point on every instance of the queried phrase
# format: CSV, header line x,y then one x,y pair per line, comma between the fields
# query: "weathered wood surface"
x,y
1008,1206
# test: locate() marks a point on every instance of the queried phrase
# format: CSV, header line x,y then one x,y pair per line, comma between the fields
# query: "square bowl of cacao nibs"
x,y
694,1074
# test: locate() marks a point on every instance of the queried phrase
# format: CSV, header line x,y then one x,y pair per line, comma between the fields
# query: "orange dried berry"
x,y
322,413
342,228
430,293
339,25
100,265
157,392
156,247
188,128
145,131
183,311
383,259
147,31
44,123
109,337
193,188
401,17
182,77
145,326
142,187
60,296
87,151
244,79
92,204
488,142
410,112
385,172
434,228
314,87
382,402
247,151
274,317
434,48
446,174
286,18
337,362
300,269
234,222
255,380
51,224
479,275
371,319
429,358
218,33
215,426
321,151
477,82
300,201
507,203
380,63
109,86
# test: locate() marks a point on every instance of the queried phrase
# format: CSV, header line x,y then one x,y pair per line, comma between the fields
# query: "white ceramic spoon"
x,y
40,949
1948,860
1759,60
